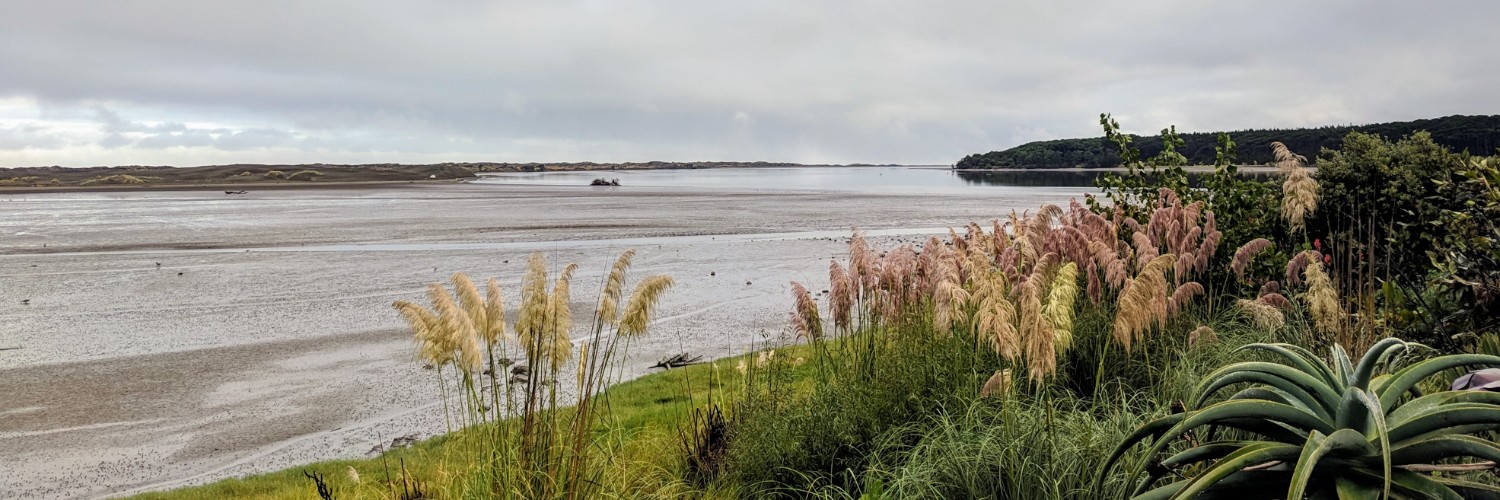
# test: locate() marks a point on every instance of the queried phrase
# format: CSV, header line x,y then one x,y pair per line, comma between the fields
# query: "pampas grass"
x,y
1201,335
1061,297
1016,288
1299,190
840,297
1143,302
544,452
1247,253
1262,315
805,317
642,305
494,312
558,344
1322,301
614,286
1038,337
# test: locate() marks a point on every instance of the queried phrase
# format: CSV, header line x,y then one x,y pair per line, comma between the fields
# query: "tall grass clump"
x,y
526,440
923,332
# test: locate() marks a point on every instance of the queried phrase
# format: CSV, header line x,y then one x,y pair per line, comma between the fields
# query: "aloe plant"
x,y
1320,429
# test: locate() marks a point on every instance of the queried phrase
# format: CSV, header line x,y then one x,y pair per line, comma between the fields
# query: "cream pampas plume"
x,y
457,326
471,301
1037,335
1143,301
559,325
533,313
427,331
1263,315
805,317
614,289
1059,306
642,305
1247,253
1299,191
494,312
949,301
1322,300
995,316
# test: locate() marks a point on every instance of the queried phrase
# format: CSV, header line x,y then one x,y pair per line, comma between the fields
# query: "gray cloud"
x,y
881,81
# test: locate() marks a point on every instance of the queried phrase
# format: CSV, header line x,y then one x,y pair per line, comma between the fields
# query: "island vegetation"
x,y
1479,135
1247,338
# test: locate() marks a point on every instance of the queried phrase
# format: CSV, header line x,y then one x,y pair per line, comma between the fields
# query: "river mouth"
x,y
237,315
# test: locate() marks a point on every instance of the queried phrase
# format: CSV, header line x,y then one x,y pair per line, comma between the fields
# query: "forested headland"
x,y
1479,135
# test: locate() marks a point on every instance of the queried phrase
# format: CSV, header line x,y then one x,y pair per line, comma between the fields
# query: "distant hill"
x,y
1479,135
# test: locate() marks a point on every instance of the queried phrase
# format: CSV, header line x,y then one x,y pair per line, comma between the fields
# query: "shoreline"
x,y
246,186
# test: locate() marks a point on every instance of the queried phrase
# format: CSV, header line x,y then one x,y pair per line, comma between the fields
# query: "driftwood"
x,y
236,192
678,361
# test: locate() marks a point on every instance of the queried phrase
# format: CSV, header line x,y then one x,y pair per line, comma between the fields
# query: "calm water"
x,y
902,179
895,179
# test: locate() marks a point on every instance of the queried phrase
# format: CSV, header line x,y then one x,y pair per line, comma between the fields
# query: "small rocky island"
x,y
605,182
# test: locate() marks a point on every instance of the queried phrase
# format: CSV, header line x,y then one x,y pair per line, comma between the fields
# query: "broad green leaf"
x,y
1373,358
1300,358
1436,448
1236,462
1325,395
1308,401
1430,402
1421,484
1343,442
1343,366
1448,419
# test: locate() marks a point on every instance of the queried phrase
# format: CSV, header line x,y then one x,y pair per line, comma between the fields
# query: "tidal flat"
x,y
152,339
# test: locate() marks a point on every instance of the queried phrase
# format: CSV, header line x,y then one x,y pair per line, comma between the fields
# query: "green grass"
x,y
641,427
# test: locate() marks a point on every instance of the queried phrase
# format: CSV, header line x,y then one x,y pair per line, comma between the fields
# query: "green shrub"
x,y
1019,448
1382,192
304,175
868,385
116,179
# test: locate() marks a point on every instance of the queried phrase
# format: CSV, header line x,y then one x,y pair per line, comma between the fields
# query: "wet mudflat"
x,y
171,338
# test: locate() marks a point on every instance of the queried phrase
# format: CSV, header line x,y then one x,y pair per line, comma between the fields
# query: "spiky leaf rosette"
x,y
1338,429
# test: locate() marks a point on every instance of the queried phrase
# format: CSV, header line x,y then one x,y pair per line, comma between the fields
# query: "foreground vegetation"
x,y
1245,338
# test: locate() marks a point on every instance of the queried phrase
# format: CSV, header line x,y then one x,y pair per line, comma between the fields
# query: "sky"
x,y
204,82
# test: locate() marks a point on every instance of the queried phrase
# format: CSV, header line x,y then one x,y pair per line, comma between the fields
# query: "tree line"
x,y
1479,135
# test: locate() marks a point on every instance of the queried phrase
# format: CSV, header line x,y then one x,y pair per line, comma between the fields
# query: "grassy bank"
x,y
646,415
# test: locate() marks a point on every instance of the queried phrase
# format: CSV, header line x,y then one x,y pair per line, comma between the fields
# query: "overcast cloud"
x,y
198,82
